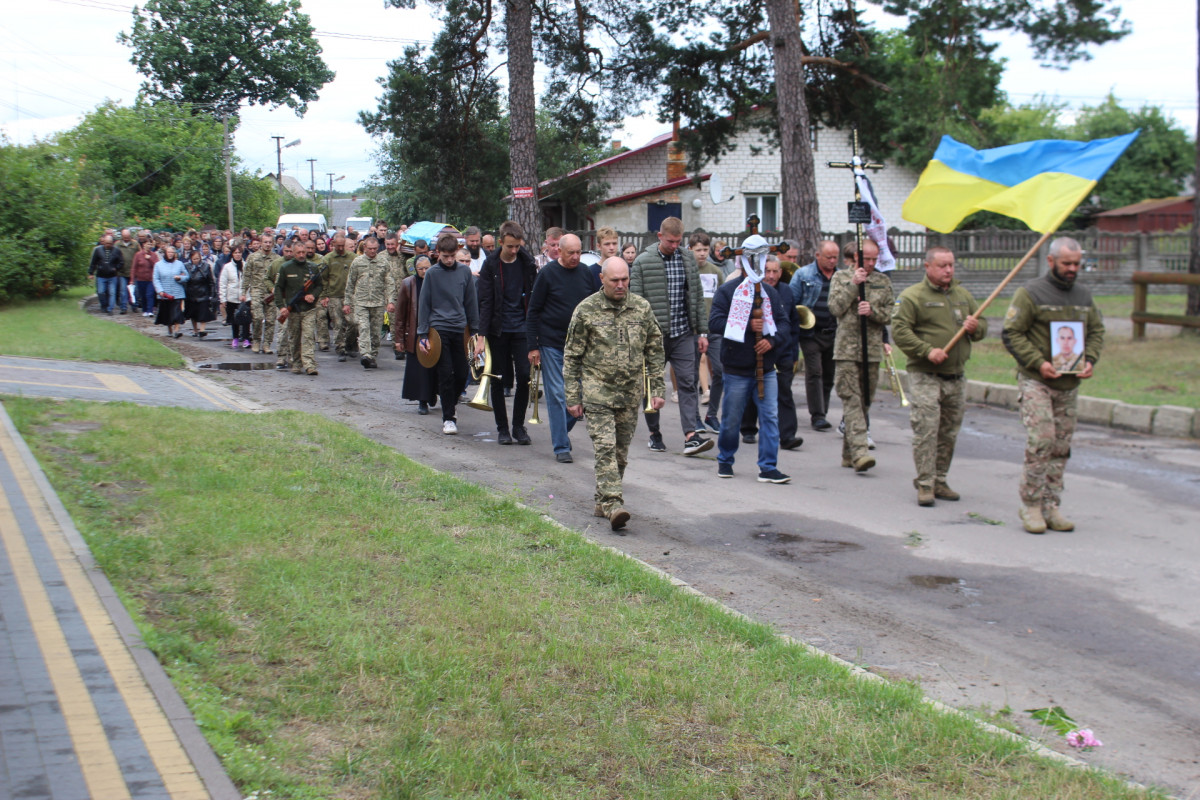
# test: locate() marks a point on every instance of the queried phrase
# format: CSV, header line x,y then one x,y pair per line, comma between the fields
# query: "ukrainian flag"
x,y
1039,182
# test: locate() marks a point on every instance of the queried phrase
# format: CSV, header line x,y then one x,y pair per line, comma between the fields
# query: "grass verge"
x,y
346,623
1151,372
56,328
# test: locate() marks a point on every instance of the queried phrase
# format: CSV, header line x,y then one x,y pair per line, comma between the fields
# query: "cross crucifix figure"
x,y
859,213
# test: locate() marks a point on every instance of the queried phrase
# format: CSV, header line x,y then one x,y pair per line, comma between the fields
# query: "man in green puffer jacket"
x,y
667,277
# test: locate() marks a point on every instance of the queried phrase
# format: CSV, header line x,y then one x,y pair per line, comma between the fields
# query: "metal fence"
x,y
982,255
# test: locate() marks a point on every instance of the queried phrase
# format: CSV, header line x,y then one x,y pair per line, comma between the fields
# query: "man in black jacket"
x,y
505,285
106,267
746,338
785,362
560,286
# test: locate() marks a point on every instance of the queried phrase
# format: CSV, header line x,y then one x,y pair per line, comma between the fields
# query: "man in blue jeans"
x,y
106,267
745,339
559,287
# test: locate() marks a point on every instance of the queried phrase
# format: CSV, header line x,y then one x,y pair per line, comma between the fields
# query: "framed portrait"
x,y
1066,347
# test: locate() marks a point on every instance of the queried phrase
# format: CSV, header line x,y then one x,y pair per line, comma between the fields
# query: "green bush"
x,y
48,225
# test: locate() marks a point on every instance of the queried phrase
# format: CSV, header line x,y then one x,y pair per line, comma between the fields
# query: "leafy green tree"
x,y
1157,163
43,201
217,55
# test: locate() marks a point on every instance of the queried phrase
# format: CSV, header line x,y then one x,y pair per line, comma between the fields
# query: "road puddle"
x,y
237,365
794,547
938,581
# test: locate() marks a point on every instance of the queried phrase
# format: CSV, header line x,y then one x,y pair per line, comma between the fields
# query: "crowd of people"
x,y
601,329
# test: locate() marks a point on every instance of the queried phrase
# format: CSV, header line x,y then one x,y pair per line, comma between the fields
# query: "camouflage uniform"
x,y
847,352
369,288
300,320
928,317
334,288
256,287
1048,406
283,353
609,346
398,269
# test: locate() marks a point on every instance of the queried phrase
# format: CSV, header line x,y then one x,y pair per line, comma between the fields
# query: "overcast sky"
x,y
62,59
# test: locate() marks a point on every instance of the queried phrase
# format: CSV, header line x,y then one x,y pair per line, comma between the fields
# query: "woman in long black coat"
x,y
198,294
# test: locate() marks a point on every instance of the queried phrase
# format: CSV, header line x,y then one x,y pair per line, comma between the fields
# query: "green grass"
x,y
1151,372
56,328
1121,305
348,624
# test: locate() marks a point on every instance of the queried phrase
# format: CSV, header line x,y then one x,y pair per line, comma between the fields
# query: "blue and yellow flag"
x,y
1039,182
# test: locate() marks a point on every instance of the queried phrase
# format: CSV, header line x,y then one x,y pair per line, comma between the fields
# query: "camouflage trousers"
x,y
332,317
370,322
1049,418
300,339
283,353
937,414
262,325
611,430
847,382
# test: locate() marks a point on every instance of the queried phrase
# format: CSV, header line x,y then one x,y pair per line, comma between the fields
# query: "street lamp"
x,y
279,166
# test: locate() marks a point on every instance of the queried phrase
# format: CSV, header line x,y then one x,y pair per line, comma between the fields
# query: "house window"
x,y
766,206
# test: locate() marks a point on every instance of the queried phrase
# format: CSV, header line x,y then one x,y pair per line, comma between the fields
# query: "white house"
x,y
649,183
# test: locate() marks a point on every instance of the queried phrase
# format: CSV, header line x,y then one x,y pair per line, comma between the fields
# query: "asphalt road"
x,y
1104,621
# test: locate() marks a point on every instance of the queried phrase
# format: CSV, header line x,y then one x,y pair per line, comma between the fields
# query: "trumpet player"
x,y
560,286
505,287
613,344
448,305
929,313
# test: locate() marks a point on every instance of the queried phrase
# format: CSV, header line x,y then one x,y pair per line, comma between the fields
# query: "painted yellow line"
x,y
172,762
97,763
194,385
47,369
119,383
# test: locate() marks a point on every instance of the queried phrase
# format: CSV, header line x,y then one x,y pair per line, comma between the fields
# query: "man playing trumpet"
x,y
613,343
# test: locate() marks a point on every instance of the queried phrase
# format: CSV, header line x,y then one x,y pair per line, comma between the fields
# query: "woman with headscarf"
x,y
169,279
200,290
420,382
231,294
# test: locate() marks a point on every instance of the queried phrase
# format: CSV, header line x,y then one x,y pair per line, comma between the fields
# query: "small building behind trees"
x,y
1165,215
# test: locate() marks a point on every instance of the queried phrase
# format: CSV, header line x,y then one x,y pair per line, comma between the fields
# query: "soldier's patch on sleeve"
x,y
1012,313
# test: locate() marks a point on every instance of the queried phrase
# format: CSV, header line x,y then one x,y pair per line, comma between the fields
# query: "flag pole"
x,y
996,292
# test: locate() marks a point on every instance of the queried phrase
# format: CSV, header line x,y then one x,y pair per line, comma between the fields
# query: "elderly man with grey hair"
x,y
1047,396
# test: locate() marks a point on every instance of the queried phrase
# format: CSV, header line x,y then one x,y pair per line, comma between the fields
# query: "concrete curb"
x,y
1173,421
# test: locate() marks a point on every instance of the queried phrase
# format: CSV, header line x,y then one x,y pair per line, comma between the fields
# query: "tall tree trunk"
x,y
1193,295
522,133
801,217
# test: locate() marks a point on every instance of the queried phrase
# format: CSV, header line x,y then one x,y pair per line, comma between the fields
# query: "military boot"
x,y
924,495
942,491
1055,520
617,517
1031,518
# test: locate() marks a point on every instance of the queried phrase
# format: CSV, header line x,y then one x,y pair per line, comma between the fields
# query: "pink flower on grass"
x,y
1083,739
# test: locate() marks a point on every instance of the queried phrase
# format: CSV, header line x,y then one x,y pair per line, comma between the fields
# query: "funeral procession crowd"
x,y
594,333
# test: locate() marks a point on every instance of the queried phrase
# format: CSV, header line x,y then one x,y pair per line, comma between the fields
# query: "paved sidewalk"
x,y
86,711
80,380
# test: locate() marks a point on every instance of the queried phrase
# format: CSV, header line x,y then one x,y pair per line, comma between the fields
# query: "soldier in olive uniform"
x,y
369,287
847,347
333,290
254,289
303,313
929,315
397,266
612,345
1047,396
283,356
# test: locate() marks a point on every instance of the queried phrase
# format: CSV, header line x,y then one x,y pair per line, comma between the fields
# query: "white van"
x,y
310,222
360,224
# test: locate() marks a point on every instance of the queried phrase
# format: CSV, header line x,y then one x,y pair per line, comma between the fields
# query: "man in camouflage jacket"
x,y
369,287
613,346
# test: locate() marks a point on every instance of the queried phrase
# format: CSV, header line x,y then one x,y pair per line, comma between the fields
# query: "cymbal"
x,y
431,358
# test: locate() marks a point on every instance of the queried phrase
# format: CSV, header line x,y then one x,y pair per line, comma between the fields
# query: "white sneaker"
x,y
870,441
449,428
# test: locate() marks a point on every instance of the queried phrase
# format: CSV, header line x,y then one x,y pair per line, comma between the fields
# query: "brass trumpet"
x,y
889,364
534,419
807,317
481,372
646,387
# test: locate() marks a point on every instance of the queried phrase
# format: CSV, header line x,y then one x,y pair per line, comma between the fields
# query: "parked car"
x,y
311,222
360,224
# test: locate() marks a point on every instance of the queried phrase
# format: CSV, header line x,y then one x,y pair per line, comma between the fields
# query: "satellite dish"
x,y
714,190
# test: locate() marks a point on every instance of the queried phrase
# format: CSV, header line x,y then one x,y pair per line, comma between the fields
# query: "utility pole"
x,y
312,182
279,170
228,176
329,197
